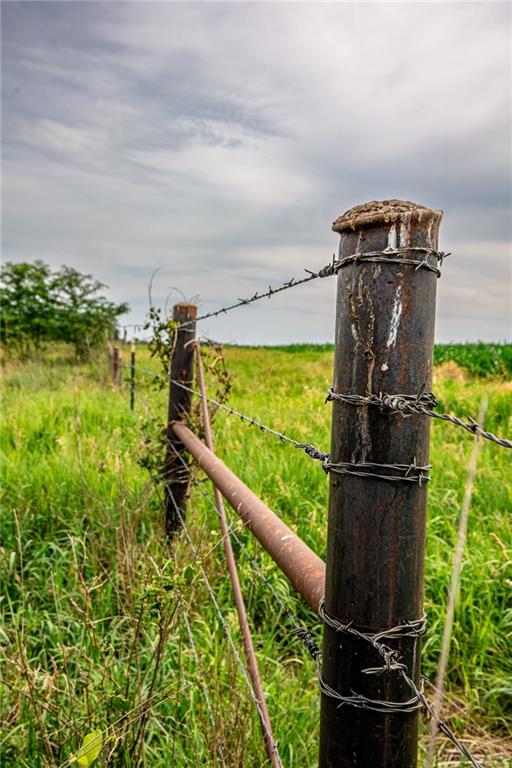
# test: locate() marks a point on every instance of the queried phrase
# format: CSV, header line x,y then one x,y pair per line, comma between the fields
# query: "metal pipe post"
x,y
181,369
376,528
132,376
301,566
250,653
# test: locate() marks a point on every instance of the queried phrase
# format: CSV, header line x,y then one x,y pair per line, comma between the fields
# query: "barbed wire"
x,y
388,255
392,662
404,404
390,657
407,405
421,404
310,450
396,256
407,472
292,283
411,473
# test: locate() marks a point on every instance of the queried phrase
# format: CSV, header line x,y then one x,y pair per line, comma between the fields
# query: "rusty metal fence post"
x,y
132,376
376,528
181,369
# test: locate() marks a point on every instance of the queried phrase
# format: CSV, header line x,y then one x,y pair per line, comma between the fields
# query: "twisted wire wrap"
x,y
411,473
397,256
391,663
390,657
421,404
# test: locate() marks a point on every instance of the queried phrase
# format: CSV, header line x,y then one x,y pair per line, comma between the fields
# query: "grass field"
x,y
98,614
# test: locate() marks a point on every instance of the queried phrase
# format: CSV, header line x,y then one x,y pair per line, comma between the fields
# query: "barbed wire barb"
x,y
389,255
421,404
390,657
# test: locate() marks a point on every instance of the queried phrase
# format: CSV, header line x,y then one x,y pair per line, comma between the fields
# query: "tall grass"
x,y
97,608
478,359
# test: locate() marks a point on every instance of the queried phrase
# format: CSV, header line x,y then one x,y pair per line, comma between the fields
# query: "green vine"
x,y
218,382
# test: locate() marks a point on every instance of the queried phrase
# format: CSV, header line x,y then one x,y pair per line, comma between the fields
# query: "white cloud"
x,y
58,137
253,174
219,141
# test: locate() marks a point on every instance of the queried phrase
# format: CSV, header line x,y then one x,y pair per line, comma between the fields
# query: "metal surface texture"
x,y
132,377
250,654
302,567
375,544
181,370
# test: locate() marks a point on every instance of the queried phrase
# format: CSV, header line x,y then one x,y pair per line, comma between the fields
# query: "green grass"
x,y
95,604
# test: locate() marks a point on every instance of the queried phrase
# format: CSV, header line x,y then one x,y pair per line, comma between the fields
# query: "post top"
x,y
184,311
380,212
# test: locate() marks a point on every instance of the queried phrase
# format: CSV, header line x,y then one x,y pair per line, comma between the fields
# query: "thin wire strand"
x,y
454,585
242,546
310,450
204,687
250,654
224,625
389,656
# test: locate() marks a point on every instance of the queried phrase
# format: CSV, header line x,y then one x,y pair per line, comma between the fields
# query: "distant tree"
x,y
38,305
83,318
25,305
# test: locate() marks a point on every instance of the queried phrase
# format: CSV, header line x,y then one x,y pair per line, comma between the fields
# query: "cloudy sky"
x,y
218,142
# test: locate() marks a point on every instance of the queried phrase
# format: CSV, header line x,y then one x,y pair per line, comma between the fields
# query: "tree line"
x,y
40,305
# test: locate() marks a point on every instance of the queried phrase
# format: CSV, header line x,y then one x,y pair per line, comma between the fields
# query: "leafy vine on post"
x,y
164,455
181,370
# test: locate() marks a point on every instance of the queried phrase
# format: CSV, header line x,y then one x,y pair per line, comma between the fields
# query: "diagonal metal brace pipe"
x,y
302,567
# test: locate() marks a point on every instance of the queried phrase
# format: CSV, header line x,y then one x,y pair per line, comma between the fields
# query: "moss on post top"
x,y
381,212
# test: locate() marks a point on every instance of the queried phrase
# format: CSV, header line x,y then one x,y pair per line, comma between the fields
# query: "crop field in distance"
x,y
103,624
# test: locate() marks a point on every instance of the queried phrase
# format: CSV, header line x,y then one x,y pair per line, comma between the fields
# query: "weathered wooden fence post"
x,y
376,529
132,376
115,366
181,369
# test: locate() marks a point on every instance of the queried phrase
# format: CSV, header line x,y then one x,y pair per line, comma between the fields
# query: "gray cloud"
x,y
218,142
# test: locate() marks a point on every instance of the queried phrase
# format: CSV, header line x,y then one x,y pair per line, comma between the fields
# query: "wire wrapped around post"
x,y
387,277
181,372
132,376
